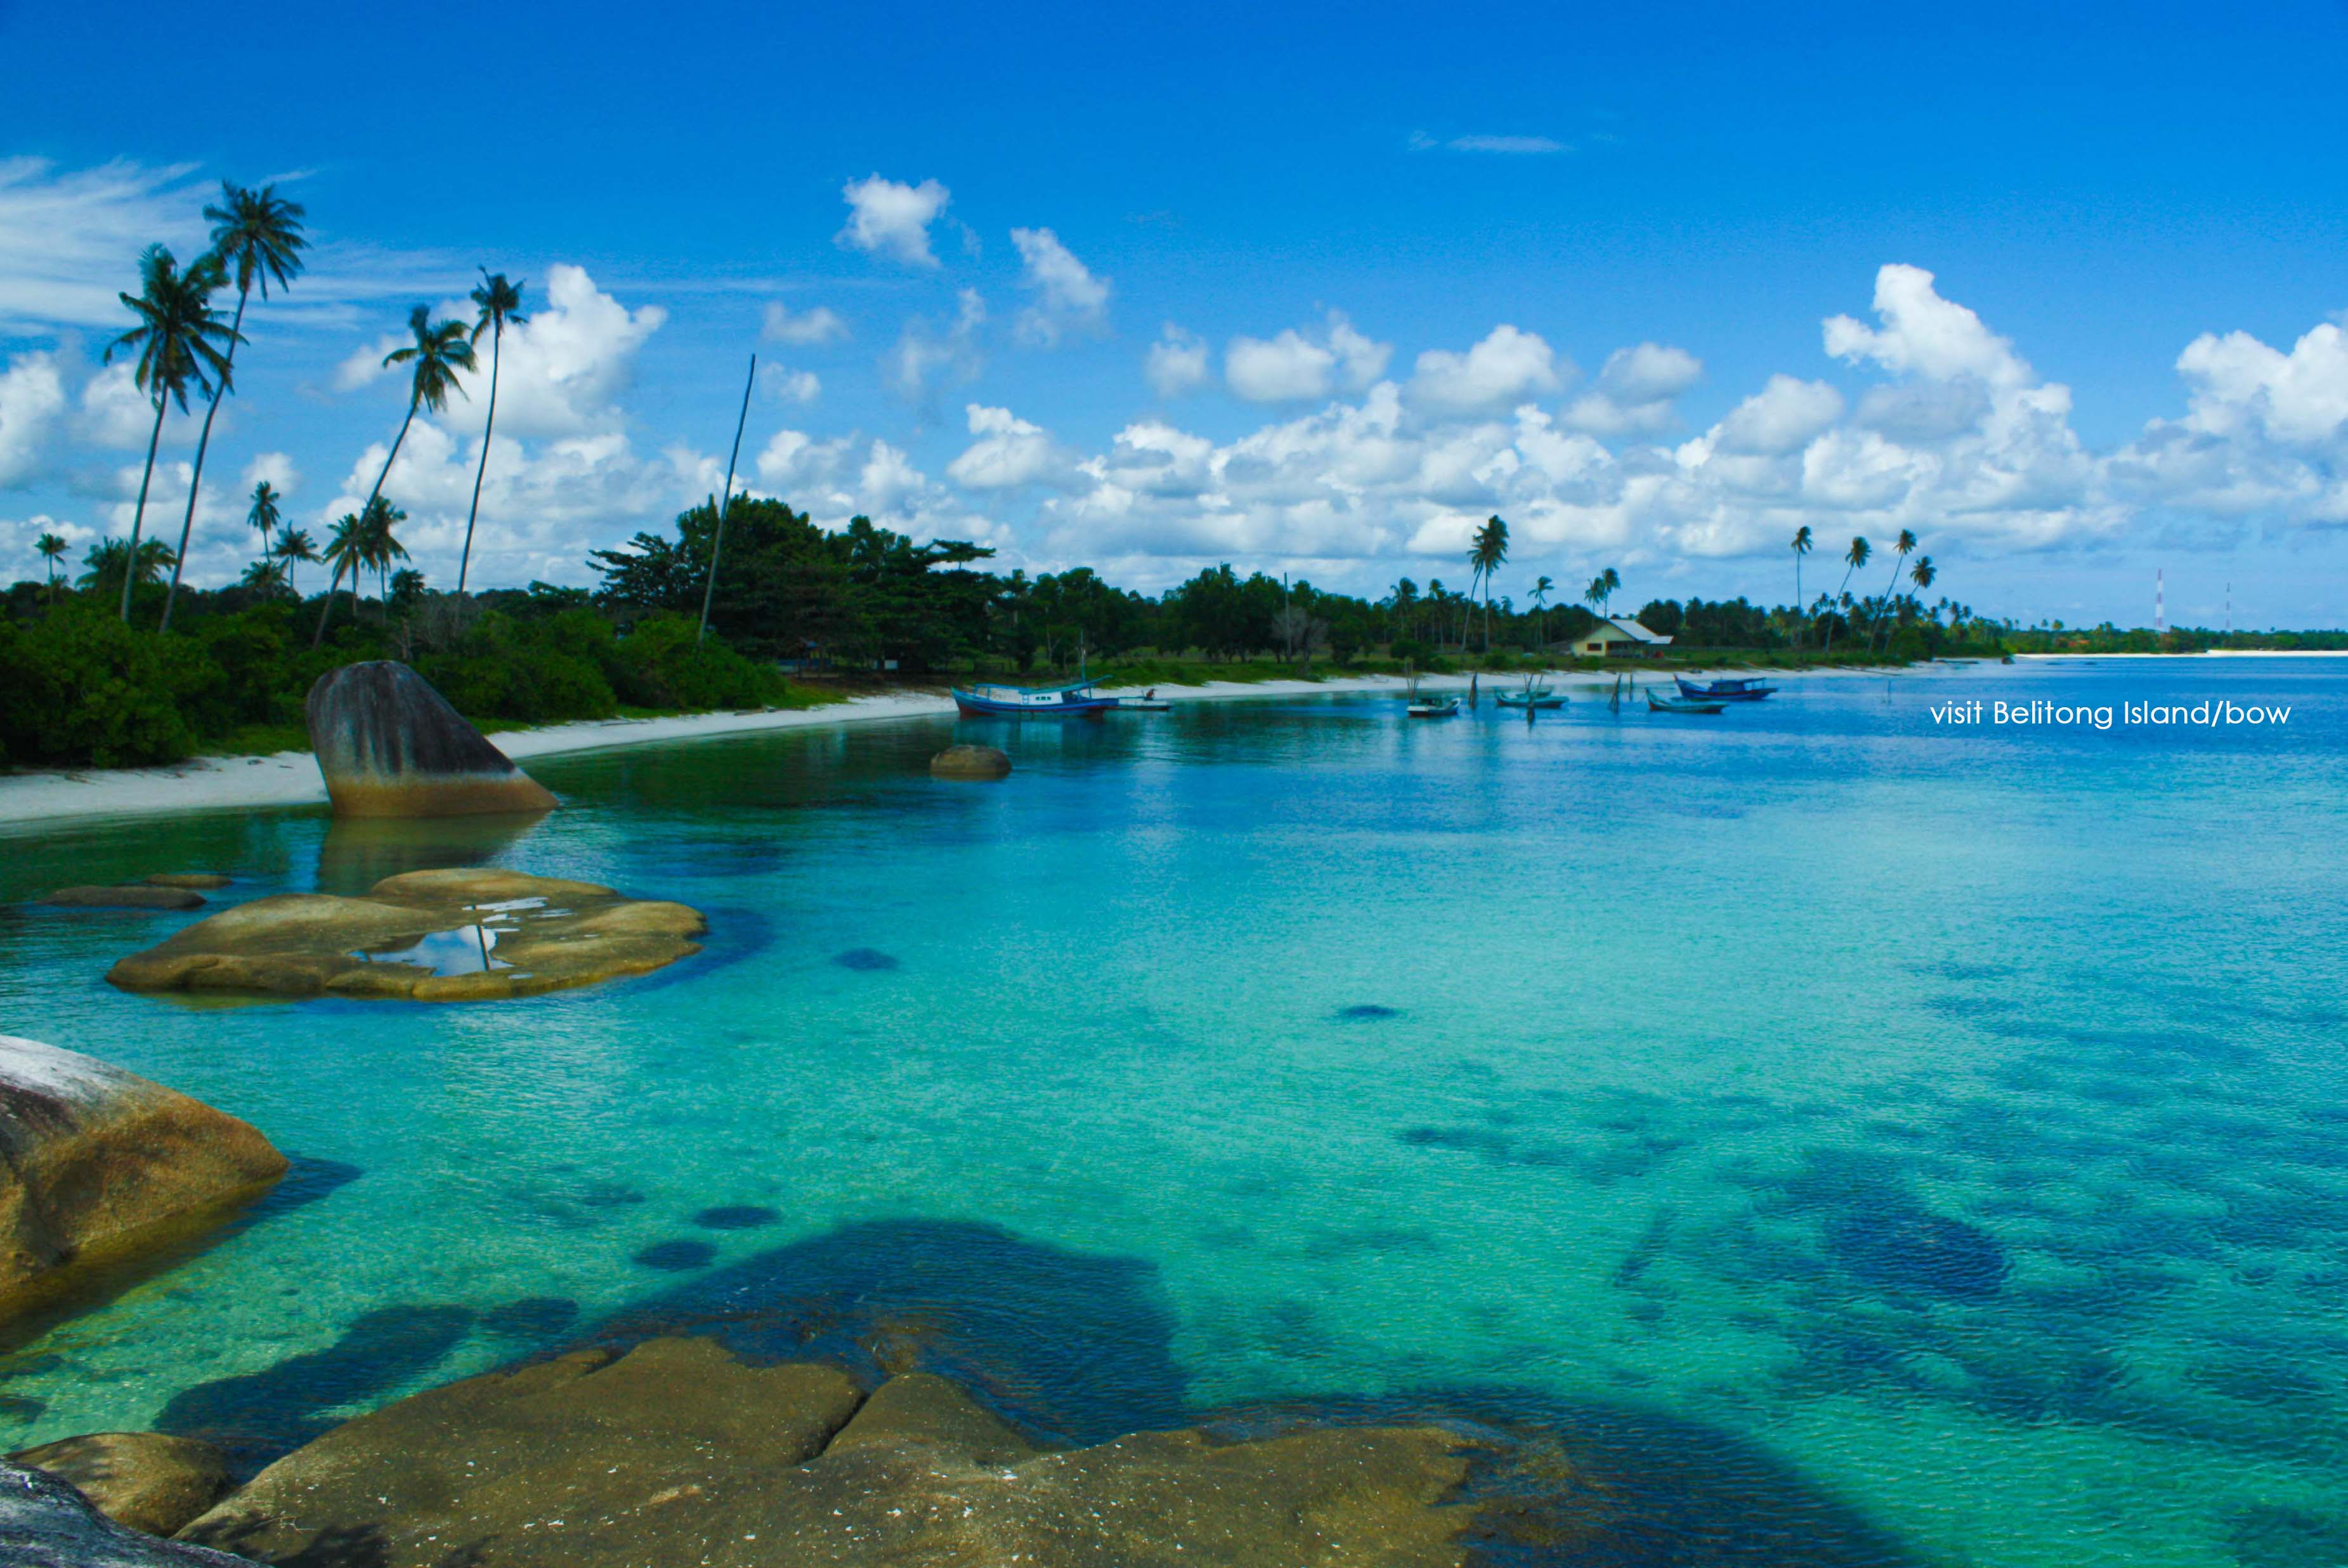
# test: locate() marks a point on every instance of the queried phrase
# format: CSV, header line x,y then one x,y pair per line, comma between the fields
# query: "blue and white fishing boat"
x,y
1749,689
1077,699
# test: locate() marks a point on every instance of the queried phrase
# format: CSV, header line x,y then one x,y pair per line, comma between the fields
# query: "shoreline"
x,y
33,799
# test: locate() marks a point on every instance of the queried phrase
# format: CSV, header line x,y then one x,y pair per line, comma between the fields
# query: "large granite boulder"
x,y
425,936
96,1162
144,1479
390,746
46,1523
971,762
678,1453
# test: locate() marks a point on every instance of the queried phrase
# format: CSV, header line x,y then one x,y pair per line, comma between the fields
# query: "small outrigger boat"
x,y
1077,699
1148,702
1749,689
1531,696
1433,706
1680,705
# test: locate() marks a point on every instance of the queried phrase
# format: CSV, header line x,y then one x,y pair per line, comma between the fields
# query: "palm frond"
x,y
260,233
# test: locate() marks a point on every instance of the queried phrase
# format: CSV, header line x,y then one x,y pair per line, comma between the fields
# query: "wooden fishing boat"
x,y
1542,699
1680,705
1433,706
1148,702
1077,699
1748,689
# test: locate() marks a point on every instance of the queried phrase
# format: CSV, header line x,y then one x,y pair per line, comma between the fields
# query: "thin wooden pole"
x,y
716,544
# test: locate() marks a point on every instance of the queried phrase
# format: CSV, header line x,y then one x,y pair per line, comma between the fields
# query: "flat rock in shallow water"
x,y
135,896
142,1480
46,1523
425,937
96,1162
199,881
390,746
679,1453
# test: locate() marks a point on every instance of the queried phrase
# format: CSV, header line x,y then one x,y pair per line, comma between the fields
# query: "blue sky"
x,y
1312,288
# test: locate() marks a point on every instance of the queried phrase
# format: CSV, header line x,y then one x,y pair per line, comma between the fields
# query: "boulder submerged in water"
x,y
461,935
129,896
390,746
652,1456
971,762
97,1163
142,1480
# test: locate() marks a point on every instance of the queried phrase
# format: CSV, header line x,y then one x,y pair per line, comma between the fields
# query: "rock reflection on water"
x,y
360,851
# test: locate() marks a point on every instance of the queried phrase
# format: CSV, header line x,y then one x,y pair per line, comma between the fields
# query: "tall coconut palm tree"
x,y
266,576
1801,548
258,235
1905,545
1486,555
379,549
1853,558
1542,589
105,562
1601,590
1924,575
500,302
346,553
295,545
263,514
440,350
179,342
53,549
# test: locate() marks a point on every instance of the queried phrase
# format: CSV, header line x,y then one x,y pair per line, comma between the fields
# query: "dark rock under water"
x,y
1903,1248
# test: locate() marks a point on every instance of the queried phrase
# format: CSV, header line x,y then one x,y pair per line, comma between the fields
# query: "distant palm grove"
x,y
122,662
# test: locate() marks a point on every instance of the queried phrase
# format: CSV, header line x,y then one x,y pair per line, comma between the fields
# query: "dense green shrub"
x,y
658,665
76,686
536,671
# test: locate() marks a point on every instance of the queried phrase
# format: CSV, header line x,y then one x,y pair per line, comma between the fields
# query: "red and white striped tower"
x,y
2160,605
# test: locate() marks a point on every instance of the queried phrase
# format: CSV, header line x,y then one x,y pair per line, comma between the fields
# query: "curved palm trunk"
x,y
130,563
1829,648
497,338
1798,598
1881,615
196,475
319,636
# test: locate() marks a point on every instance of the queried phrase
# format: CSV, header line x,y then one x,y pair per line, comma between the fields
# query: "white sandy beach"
x,y
292,779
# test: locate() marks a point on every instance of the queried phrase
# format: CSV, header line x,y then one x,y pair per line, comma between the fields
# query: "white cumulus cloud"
x,y
31,401
1507,366
925,354
804,329
1784,417
1177,362
1926,334
791,385
1067,296
885,218
1009,452
1295,367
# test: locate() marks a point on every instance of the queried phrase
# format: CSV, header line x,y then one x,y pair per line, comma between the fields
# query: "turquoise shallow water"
x,y
1881,1141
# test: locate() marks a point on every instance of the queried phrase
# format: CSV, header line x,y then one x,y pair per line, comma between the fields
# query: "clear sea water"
x,y
1880,1141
